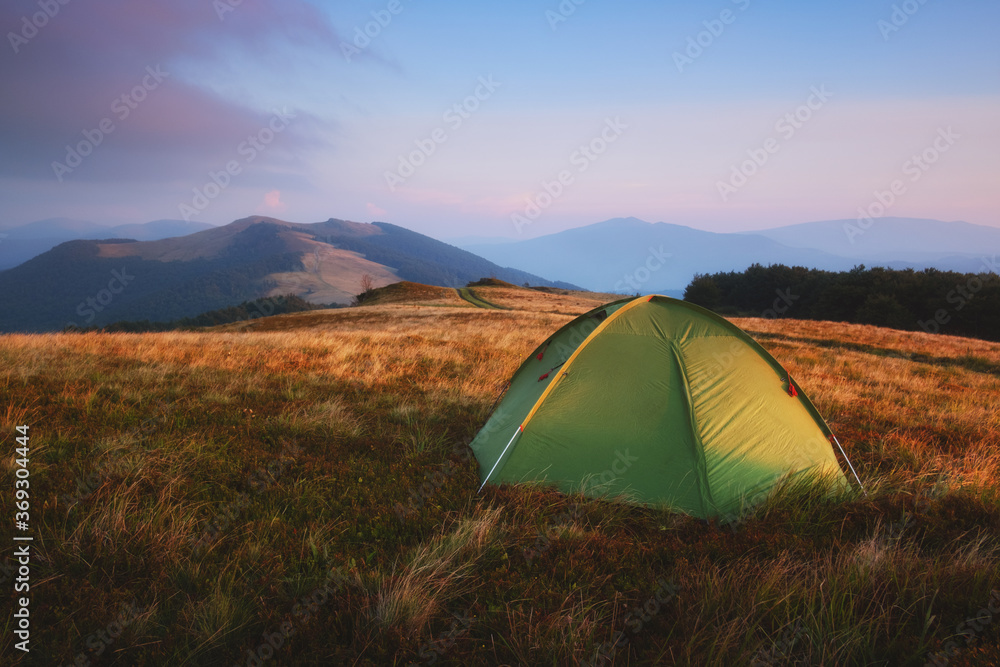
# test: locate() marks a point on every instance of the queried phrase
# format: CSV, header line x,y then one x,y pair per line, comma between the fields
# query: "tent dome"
x,y
658,401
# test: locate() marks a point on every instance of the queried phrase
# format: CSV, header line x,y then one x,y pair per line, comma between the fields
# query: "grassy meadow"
x,y
298,490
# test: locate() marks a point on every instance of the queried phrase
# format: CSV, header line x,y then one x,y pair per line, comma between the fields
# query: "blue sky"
x,y
677,131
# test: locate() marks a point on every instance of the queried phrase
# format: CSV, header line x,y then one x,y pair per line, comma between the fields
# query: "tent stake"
x,y
849,464
519,429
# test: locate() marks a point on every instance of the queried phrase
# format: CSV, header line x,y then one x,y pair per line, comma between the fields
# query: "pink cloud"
x,y
273,203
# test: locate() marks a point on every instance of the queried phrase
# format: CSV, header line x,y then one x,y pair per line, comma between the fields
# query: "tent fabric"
x,y
657,401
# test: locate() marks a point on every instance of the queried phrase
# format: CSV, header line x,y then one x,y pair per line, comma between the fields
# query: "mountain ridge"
x,y
888,238
25,242
92,283
629,254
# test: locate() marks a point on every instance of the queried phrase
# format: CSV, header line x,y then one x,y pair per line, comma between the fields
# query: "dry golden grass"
x,y
180,440
437,573
562,302
907,343
416,294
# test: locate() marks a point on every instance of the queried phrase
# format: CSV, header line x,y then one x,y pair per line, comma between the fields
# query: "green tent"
x,y
658,401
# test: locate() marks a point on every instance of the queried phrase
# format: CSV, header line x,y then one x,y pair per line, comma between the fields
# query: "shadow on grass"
x,y
967,362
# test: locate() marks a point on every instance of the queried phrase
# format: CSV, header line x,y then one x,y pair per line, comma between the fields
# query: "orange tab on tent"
x,y
791,388
550,371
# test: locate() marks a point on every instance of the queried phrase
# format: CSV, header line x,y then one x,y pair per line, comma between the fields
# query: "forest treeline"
x,y
947,302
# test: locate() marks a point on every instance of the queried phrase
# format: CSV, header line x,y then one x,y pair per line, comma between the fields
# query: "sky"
x,y
500,119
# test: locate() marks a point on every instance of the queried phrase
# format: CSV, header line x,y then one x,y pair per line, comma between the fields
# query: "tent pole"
x,y
849,464
519,429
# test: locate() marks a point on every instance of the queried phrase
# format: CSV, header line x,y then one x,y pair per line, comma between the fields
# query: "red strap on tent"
x,y
791,388
550,371
542,353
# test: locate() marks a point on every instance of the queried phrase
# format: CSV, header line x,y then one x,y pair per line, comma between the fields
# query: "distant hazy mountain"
x,y
882,240
92,283
465,241
19,244
152,231
54,228
630,255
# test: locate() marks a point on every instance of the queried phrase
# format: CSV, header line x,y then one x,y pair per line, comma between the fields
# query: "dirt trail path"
x,y
476,300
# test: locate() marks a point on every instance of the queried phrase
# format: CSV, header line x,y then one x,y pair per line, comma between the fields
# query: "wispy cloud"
x,y
83,65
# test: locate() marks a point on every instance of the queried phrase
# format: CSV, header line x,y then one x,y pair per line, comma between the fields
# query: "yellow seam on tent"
x,y
569,362
558,331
